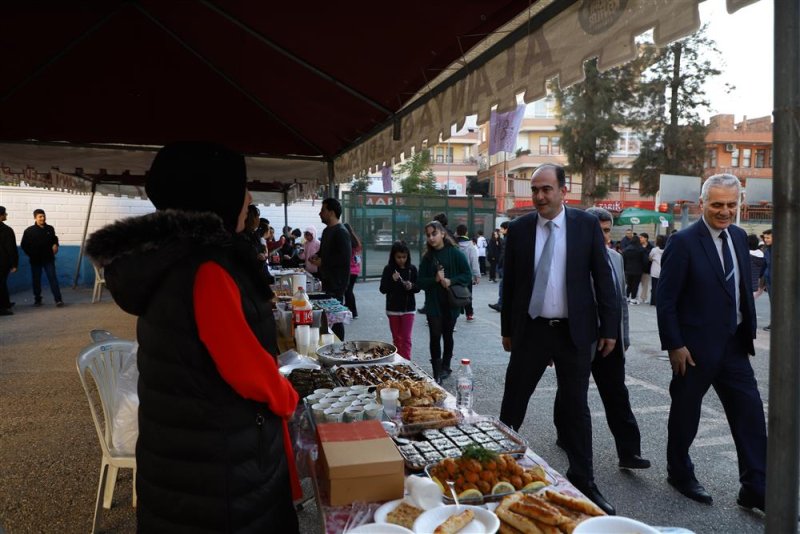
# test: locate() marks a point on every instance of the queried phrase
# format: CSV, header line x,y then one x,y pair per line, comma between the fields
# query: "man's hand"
x,y
315,260
13,269
605,346
407,285
506,344
678,358
476,280
55,249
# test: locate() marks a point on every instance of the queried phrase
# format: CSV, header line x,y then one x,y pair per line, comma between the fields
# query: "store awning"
x,y
322,83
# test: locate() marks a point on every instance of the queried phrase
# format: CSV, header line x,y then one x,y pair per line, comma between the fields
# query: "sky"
x,y
746,42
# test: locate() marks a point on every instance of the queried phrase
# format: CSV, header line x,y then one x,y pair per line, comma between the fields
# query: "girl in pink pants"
x,y
399,284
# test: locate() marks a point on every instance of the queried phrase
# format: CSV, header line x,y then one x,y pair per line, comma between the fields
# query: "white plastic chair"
x,y
104,360
99,284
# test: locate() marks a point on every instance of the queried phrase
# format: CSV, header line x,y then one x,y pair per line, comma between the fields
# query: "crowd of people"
x,y
194,273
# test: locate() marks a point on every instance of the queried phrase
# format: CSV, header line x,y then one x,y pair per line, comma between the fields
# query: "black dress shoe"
x,y
750,500
634,462
495,307
593,494
691,488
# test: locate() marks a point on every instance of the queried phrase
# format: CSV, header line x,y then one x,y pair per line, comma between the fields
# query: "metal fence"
x,y
380,219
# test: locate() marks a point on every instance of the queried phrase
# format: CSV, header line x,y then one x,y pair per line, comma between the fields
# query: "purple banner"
x,y
386,175
503,130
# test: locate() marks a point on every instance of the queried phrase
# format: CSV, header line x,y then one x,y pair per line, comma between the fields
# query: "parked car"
x,y
383,239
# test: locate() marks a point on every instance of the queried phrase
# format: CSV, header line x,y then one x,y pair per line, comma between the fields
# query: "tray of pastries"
x,y
418,418
372,374
434,444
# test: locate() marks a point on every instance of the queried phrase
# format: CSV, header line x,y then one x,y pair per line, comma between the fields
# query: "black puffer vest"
x,y
208,460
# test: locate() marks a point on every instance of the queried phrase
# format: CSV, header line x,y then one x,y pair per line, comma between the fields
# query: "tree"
x,y
669,101
590,113
360,184
419,179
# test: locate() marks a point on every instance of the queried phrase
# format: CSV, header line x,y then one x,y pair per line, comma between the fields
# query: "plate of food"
x,y
356,352
540,512
398,512
453,519
481,475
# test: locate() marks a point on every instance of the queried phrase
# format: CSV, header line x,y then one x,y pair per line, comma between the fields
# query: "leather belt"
x,y
551,322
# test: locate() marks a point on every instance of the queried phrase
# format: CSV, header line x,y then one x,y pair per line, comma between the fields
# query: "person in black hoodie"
x,y
213,452
635,257
399,284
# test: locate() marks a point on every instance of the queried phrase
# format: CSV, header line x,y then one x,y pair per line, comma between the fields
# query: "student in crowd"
x,y
494,250
40,243
481,243
471,252
756,265
399,284
355,270
442,265
655,266
310,248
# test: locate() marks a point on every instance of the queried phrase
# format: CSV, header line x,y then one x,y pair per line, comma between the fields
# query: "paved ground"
x,y
49,456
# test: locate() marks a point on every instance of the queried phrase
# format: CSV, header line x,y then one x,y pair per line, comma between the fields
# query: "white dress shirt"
x,y
555,297
718,245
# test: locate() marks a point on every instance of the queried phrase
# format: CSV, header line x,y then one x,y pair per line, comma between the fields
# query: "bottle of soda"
x,y
301,308
465,386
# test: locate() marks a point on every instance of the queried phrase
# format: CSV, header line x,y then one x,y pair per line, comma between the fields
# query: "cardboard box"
x,y
359,463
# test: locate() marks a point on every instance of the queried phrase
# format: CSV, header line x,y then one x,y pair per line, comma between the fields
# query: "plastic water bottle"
x,y
465,385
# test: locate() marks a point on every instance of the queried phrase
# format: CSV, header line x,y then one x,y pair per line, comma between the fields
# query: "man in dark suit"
x,y
9,258
553,259
707,323
609,372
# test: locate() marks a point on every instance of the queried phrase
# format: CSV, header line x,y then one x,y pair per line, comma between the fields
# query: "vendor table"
x,y
334,518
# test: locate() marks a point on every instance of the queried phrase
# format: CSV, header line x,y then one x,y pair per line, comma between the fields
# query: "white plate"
x,y
379,528
286,370
385,509
613,524
485,522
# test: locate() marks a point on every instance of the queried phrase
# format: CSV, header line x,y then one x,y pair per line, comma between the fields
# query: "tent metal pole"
x,y
285,206
331,180
783,466
83,239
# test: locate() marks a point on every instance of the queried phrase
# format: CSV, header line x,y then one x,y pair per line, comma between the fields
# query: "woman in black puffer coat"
x,y
213,453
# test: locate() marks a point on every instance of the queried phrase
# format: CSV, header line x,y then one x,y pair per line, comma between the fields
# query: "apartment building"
x,y
539,142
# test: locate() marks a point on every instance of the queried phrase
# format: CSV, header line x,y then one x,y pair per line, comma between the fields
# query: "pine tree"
x,y
590,114
670,98
419,179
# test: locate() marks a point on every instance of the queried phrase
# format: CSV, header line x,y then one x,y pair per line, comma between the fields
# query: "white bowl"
x,y
485,522
613,524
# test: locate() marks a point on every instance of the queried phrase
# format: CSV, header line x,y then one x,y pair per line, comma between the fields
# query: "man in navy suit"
x,y
707,323
553,259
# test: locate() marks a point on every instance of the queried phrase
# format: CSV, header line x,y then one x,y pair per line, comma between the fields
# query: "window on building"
x,y
555,146
611,181
770,159
746,155
544,108
544,145
735,158
568,182
626,182
761,157
439,155
449,155
711,158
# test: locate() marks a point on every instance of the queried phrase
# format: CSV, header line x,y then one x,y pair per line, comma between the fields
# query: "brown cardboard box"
x,y
359,463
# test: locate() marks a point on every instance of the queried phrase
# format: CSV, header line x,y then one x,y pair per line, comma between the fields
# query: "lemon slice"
x,y
536,485
538,473
470,495
438,483
503,487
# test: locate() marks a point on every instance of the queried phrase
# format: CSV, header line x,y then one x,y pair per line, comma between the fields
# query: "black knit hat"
x,y
197,176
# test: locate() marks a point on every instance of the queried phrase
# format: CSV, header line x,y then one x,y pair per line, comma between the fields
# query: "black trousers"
x,y
609,376
349,296
468,309
5,303
532,350
482,264
632,282
492,270
337,328
734,381
440,329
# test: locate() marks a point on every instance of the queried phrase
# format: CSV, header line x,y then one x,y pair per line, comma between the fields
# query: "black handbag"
x,y
458,296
